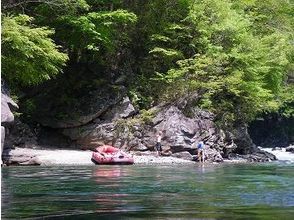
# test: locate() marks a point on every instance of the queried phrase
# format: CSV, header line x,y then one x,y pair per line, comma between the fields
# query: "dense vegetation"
x,y
233,57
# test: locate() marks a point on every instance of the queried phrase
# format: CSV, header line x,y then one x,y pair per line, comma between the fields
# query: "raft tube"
x,y
111,156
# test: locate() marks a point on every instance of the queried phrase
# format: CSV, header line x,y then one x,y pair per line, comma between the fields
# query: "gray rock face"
x,y
124,109
242,140
6,104
290,149
20,157
180,133
259,156
103,129
87,109
6,115
20,135
120,125
2,139
13,131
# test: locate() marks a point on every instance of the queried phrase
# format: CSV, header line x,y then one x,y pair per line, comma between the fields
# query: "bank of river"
x,y
57,157
165,191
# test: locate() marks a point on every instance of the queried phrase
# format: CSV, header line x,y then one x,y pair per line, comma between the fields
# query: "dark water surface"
x,y
255,191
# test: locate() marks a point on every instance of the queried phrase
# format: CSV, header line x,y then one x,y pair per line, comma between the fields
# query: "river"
x,y
209,191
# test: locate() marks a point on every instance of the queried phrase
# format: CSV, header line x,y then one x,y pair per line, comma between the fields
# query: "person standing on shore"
x,y
158,143
200,149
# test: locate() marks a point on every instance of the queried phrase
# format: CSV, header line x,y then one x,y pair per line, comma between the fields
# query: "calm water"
x,y
256,191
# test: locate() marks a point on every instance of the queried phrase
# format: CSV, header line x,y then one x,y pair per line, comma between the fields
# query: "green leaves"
x,y
236,53
240,68
286,101
29,56
93,31
167,53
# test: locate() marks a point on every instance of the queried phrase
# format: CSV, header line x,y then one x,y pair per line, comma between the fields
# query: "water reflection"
x,y
201,168
113,200
204,168
107,172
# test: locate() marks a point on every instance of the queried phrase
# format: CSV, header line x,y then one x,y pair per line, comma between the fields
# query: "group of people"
x,y
200,147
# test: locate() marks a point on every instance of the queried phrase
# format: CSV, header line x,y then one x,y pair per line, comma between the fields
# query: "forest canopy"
x,y
236,55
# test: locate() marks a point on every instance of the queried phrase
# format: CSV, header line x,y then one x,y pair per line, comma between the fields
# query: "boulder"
x,y
212,155
84,110
123,109
7,104
239,135
104,130
20,135
20,156
2,139
180,133
290,149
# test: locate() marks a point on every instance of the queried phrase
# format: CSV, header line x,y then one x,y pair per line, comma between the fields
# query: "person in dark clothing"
x,y
200,149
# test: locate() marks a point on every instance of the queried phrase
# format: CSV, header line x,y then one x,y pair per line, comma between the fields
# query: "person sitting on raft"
x,y
107,149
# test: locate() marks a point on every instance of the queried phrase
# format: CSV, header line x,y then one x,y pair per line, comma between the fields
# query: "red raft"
x,y
110,155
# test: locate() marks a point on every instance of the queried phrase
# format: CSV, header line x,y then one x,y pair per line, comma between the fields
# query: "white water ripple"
x,y
281,154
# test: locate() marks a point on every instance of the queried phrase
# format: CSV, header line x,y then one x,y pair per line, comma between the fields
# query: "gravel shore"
x,y
77,157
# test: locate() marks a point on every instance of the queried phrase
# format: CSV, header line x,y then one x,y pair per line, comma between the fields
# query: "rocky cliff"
x,y
7,117
118,123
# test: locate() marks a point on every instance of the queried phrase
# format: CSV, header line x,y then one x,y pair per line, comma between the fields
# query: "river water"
x,y
223,191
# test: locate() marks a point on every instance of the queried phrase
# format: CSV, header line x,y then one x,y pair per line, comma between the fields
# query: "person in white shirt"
x,y
158,143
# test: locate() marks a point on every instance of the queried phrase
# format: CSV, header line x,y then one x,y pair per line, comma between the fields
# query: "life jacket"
x,y
200,146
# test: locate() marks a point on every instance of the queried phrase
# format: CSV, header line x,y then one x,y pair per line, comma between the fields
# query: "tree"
x,y
64,5
240,69
87,36
29,56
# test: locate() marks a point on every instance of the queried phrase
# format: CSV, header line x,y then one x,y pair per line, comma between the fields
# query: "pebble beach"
x,y
46,157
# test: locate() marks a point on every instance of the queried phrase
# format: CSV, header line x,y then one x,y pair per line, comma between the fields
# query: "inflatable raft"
x,y
111,155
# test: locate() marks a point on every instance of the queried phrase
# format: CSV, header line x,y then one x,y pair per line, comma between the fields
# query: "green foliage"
x,y
241,72
267,16
89,30
236,54
93,31
28,108
286,99
55,7
29,56
170,46
135,97
167,53
146,116
158,42
47,11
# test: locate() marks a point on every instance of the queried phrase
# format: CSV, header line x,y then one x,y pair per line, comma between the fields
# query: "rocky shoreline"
x,y
60,157
121,126
49,157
